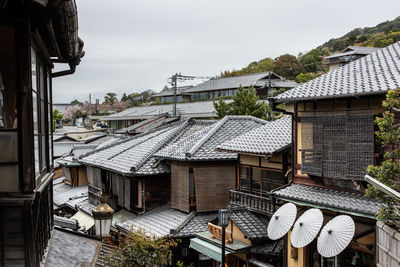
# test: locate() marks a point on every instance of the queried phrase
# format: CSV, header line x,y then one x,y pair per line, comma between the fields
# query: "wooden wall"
x,y
180,187
387,246
212,186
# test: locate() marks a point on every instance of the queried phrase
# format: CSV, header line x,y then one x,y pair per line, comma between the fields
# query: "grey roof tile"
x,y
253,226
180,90
267,139
202,145
197,224
65,195
63,148
354,50
344,201
373,74
230,82
158,222
200,109
69,249
134,155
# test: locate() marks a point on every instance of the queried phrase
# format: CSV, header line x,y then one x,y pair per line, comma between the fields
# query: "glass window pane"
x,y
267,181
256,181
36,153
9,181
8,147
245,179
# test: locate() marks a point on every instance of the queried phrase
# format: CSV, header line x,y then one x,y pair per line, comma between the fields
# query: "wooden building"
x,y
127,173
265,84
201,177
334,142
34,34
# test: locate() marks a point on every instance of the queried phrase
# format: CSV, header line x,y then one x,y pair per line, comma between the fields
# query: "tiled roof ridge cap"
x,y
281,97
337,191
244,75
199,143
123,140
159,145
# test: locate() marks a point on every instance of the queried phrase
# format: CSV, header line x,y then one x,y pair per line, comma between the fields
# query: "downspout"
x,y
72,63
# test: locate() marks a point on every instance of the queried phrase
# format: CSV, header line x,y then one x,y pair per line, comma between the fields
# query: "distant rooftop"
x,y
354,50
232,82
180,90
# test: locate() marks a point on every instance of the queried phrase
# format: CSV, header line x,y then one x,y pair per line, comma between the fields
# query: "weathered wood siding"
x,y
387,246
180,187
212,186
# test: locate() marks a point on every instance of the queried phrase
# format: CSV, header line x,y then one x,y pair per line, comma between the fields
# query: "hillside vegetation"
x,y
307,66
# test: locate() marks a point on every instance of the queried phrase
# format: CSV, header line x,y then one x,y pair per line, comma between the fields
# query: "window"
x,y
259,181
337,145
106,182
40,111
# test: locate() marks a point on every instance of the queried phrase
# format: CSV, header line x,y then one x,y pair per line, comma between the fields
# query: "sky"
x,y
136,45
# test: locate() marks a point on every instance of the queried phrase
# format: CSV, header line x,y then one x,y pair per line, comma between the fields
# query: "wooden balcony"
x,y
252,202
216,232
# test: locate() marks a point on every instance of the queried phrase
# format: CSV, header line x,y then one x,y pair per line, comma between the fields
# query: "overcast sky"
x,y
135,45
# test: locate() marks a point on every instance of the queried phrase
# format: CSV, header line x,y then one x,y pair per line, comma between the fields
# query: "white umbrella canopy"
x,y
335,236
281,221
306,228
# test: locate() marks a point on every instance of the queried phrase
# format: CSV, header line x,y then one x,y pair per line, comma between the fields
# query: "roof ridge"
x,y
199,143
159,145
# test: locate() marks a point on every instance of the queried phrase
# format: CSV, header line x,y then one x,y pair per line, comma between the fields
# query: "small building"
x,y
348,54
134,115
201,176
167,96
265,83
334,142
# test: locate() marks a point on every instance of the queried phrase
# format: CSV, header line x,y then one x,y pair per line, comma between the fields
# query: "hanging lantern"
x,y
102,216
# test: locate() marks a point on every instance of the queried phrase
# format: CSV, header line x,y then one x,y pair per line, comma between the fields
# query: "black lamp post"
x,y
223,221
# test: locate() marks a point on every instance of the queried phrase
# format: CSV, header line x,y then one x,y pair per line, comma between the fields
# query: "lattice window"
x,y
338,145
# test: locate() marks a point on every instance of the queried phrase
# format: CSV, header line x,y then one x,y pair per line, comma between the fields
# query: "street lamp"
x,y
223,221
102,216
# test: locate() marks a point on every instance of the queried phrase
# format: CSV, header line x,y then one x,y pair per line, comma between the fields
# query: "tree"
x,y
288,66
110,98
124,97
76,102
312,60
140,249
244,103
165,88
388,171
57,116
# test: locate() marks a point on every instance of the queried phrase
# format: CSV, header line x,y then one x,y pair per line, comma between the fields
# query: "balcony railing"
x,y
252,202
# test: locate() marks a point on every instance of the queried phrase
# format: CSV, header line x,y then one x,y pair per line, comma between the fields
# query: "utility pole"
x,y
90,111
175,81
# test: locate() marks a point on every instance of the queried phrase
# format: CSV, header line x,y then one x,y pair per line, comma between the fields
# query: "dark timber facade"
x,y
34,34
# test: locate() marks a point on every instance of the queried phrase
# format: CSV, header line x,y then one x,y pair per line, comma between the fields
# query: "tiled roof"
x,y
277,83
358,50
69,249
63,148
148,124
91,138
200,109
197,224
65,195
327,198
230,82
134,155
373,74
202,145
158,222
253,226
270,247
180,90
267,139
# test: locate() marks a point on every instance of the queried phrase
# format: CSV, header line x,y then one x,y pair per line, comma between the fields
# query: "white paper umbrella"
x,y
306,228
335,236
281,221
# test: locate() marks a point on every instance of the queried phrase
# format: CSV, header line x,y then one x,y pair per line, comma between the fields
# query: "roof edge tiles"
x,y
159,145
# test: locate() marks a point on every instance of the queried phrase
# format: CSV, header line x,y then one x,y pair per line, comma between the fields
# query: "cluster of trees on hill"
x,y
308,65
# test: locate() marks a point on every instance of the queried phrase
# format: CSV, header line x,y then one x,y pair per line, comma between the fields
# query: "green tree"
x,y
57,116
245,102
110,98
124,98
288,66
165,88
140,249
76,102
388,171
